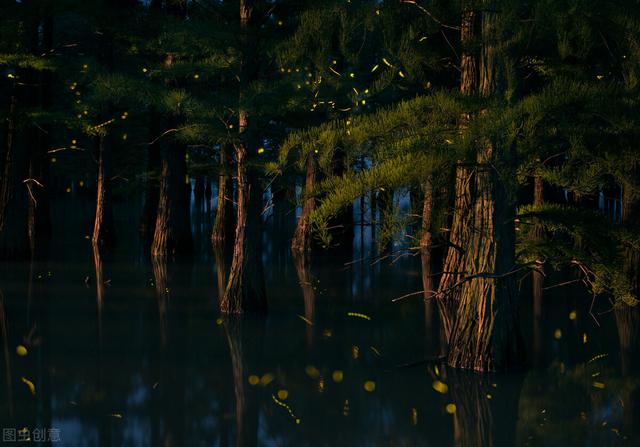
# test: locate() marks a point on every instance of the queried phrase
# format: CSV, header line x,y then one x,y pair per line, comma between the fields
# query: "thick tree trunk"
x,y
245,290
460,231
303,237
485,335
103,226
172,236
223,226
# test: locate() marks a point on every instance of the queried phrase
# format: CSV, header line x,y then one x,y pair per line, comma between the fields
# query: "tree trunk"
x,y
485,334
245,290
537,280
460,231
172,236
103,226
302,238
223,226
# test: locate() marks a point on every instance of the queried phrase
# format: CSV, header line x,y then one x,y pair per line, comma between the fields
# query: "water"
x,y
144,358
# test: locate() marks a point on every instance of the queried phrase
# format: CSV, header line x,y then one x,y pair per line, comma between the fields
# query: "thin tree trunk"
x,y
302,238
301,262
103,226
537,279
223,226
245,290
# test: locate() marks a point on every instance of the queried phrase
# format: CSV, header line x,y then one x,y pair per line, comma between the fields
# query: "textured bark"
x,y
103,226
302,238
427,214
459,235
223,226
172,236
484,335
245,290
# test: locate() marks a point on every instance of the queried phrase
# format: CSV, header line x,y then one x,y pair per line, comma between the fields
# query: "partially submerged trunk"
x,y
223,227
172,236
103,226
484,334
245,290
303,237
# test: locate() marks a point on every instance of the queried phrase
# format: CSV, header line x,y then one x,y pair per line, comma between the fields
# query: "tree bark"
x,y
223,226
485,334
303,237
172,236
245,290
103,226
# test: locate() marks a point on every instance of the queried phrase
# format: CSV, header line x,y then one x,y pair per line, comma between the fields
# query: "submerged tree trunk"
x,y
245,290
485,335
302,238
103,226
223,226
172,236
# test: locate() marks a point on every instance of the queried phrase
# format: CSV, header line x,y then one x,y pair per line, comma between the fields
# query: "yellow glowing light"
x,y
68,190
196,76
267,379
557,334
144,70
312,371
370,386
30,385
386,62
21,351
584,339
401,74
279,22
440,386
337,376
254,380
375,67
363,102
598,385
352,75
355,352
283,394
261,150
11,76
414,416
81,183
573,315
450,408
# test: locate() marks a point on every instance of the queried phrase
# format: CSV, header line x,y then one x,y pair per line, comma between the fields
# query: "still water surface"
x,y
125,352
